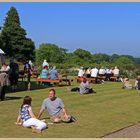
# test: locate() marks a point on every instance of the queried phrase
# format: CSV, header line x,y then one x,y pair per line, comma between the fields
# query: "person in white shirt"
x,y
94,73
81,72
5,68
45,63
108,73
116,72
88,72
31,64
102,71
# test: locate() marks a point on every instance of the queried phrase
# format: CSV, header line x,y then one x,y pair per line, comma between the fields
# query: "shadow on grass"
x,y
12,98
23,86
47,118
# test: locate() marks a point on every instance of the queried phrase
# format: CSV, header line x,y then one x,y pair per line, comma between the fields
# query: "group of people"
x,y
12,70
48,73
12,73
107,72
94,72
8,76
55,107
53,104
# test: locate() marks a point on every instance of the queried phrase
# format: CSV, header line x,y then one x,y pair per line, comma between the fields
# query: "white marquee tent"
x,y
2,56
1,51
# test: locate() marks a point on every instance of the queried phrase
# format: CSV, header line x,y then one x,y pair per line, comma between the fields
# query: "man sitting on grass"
x,y
84,87
56,109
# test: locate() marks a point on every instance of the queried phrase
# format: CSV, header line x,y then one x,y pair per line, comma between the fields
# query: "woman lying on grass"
x,y
26,117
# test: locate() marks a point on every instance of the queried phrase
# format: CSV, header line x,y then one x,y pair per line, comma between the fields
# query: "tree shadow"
x,y
23,86
12,98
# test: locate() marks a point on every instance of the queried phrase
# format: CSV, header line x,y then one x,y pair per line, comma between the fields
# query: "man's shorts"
x,y
61,117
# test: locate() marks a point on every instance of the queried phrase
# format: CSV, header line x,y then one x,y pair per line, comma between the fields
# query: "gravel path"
x,y
129,132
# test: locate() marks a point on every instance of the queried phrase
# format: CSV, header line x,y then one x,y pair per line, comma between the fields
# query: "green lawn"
x,y
110,109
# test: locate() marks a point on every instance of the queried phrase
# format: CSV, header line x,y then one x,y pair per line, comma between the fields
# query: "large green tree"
x,y
72,59
124,62
83,54
51,52
14,38
100,58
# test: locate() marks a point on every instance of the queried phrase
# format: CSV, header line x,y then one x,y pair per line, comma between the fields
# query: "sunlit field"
x,y
110,109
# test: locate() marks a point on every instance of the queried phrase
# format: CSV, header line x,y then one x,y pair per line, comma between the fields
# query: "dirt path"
x,y
129,132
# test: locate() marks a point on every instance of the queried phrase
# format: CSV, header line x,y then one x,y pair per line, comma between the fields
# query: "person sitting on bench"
x,y
53,74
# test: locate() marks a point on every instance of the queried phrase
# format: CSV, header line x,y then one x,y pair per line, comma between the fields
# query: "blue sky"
x,y
104,27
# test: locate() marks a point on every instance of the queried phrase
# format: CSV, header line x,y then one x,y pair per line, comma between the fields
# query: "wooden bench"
x,y
64,79
22,75
101,77
97,80
89,79
67,81
35,74
113,78
41,80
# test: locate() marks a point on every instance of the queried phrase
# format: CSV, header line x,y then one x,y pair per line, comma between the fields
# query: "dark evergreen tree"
x,y
15,43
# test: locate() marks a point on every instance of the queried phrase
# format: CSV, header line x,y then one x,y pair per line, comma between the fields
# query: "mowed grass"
x,y
110,109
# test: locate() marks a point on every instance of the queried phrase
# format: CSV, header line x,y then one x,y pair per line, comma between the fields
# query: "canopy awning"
x,y
1,51
2,56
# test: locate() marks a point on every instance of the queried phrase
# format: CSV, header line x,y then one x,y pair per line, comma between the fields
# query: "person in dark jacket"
x,y
137,83
13,74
